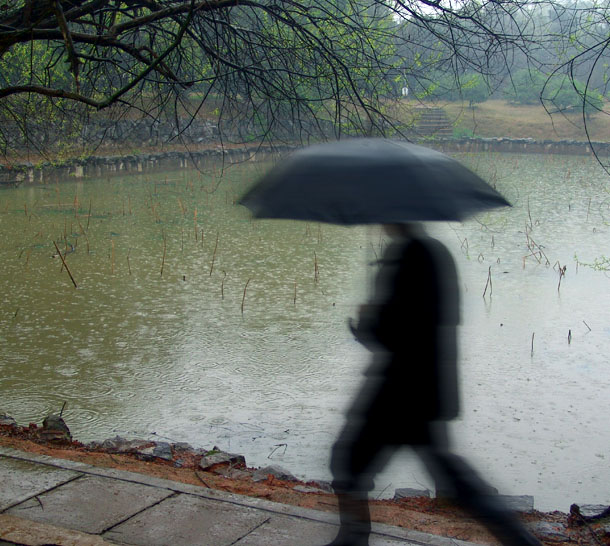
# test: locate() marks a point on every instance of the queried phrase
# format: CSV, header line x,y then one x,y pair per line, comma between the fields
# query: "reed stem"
x,y
562,274
243,299
488,284
214,255
164,251
65,265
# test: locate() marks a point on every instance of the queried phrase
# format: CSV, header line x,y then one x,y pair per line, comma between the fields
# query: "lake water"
x,y
192,322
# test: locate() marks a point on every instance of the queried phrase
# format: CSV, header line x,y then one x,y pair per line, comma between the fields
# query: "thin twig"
x,y
243,299
65,265
277,446
164,251
214,254
488,284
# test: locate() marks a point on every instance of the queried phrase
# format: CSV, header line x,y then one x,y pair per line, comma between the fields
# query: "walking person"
x,y
410,390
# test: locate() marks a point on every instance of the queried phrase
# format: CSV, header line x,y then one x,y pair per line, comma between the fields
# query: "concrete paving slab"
x,y
151,511
14,530
282,530
90,504
22,480
185,520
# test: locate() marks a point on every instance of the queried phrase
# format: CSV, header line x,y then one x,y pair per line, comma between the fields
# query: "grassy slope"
x,y
496,118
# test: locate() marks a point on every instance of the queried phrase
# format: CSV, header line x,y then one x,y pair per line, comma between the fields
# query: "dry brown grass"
x,y
496,118
493,118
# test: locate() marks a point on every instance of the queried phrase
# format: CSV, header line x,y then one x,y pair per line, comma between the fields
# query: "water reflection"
x,y
137,350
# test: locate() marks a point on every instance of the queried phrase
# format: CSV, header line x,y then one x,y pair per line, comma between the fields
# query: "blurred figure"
x,y
410,390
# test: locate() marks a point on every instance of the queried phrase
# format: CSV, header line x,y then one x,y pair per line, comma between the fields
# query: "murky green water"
x,y
191,322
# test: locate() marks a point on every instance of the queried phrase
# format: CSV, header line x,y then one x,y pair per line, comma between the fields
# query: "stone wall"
x,y
44,173
124,164
144,132
523,146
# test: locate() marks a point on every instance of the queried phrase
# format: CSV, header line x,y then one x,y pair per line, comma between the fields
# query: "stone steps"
x,y
433,122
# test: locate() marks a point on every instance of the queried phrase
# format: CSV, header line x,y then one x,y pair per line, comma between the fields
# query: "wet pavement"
x,y
48,501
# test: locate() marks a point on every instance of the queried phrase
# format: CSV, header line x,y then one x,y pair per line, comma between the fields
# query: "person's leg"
x,y
458,480
356,457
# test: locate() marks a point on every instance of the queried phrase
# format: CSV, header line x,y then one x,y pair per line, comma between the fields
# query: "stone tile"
x,y
23,479
185,520
282,530
24,532
90,504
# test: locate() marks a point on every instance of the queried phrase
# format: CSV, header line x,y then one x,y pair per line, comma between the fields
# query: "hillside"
x,y
496,118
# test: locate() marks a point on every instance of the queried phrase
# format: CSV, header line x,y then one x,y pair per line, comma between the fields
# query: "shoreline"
x,y
206,156
216,469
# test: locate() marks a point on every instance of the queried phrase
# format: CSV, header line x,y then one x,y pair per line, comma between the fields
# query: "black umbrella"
x,y
370,181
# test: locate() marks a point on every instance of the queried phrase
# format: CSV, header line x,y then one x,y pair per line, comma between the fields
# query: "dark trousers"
x,y
365,446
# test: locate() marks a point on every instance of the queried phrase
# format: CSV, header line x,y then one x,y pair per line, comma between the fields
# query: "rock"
x,y
274,470
213,458
183,447
118,444
7,420
307,489
594,510
161,450
580,515
323,485
407,492
548,530
54,429
518,503
234,473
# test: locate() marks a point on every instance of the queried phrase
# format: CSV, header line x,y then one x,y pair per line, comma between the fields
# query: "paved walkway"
x,y
47,501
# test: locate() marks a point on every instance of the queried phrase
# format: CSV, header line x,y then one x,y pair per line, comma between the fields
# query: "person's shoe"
x,y
350,539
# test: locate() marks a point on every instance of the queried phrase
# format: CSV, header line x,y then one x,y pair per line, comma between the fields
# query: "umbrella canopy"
x,y
370,181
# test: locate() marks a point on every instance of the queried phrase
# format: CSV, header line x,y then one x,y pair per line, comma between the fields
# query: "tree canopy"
x,y
271,68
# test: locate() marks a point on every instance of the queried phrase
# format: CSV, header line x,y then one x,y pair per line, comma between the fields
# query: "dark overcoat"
x,y
410,325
